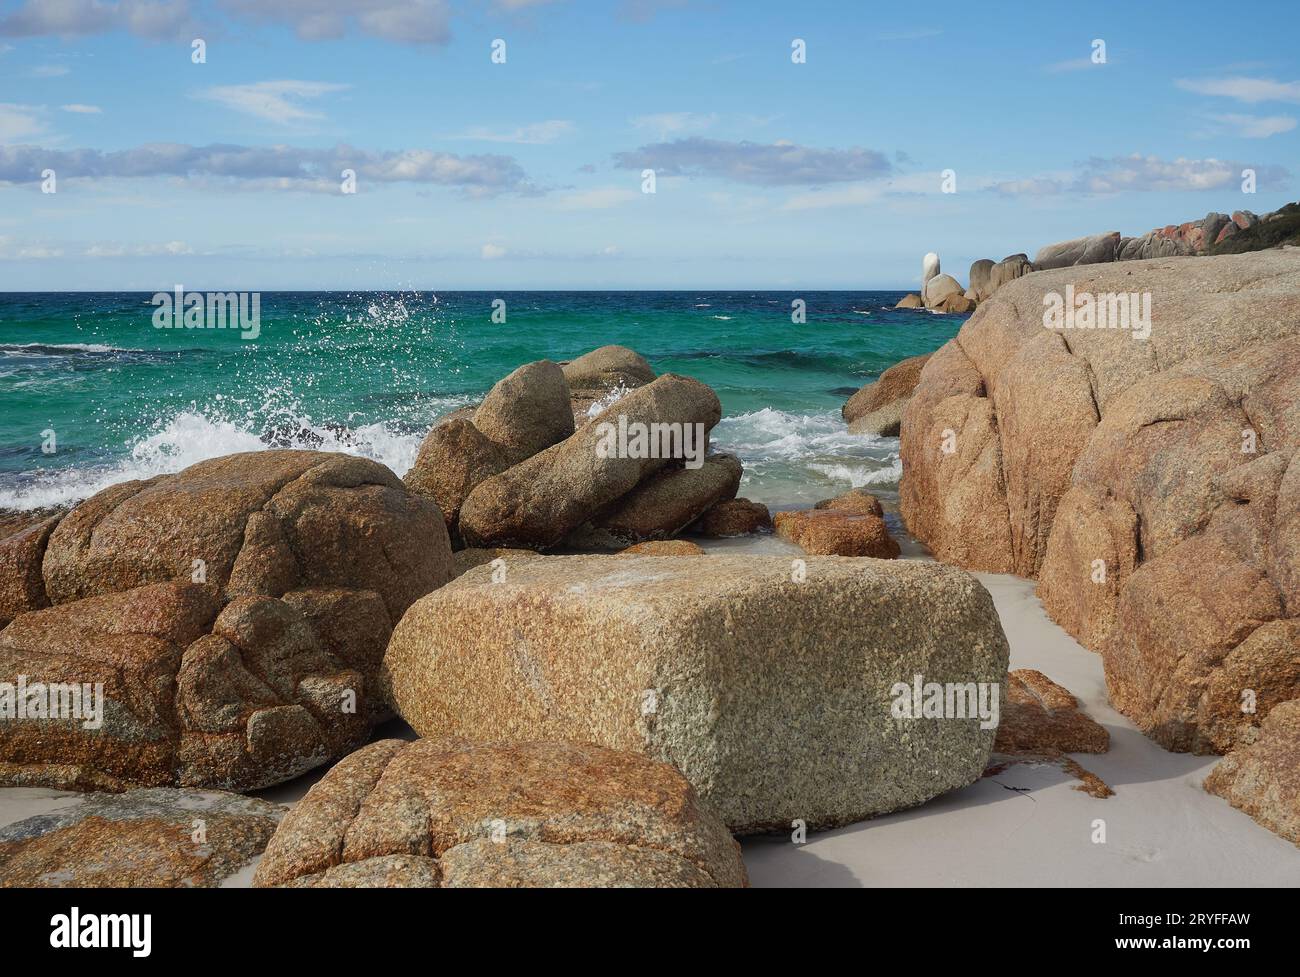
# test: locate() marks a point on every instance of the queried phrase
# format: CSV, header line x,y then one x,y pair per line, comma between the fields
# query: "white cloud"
x,y
274,101
1249,90
19,122
50,71
268,167
534,134
78,109
781,163
491,252
72,18
665,124
404,21
118,250
1138,173
1257,126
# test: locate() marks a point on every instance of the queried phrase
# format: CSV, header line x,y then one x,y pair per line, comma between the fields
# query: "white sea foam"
x,y
190,437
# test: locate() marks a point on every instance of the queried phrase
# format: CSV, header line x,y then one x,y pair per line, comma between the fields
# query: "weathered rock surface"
x,y
733,517
664,504
264,669
1041,717
769,688
539,502
158,837
1262,777
527,411
443,812
878,407
605,369
1151,485
453,458
1090,250
955,304
910,301
851,525
939,288
664,547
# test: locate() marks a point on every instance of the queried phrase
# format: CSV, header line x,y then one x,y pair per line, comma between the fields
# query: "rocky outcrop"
x,y
1262,777
663,505
1151,484
1090,250
540,501
852,524
608,372
939,288
910,301
442,812
664,547
232,616
749,674
733,517
158,837
1040,717
878,407
524,413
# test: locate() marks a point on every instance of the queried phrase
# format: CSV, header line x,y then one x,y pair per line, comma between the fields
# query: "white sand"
x,y
1024,827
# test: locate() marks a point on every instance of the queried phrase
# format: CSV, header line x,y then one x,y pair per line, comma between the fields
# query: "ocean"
x,y
92,394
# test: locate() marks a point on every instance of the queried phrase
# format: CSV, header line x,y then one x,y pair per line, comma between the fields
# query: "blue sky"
x,y
528,174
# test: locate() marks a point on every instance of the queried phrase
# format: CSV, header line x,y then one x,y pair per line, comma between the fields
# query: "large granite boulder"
x,y
540,501
910,301
771,684
1007,270
939,288
443,812
852,524
878,407
1262,777
524,413
220,627
733,517
663,505
598,378
157,837
1090,250
1151,484
979,280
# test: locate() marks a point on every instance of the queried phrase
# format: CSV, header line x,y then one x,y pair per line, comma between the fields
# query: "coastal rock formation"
x,y
595,377
664,504
468,559
1151,484
527,411
979,280
160,837
852,524
878,407
929,268
955,303
1090,250
767,683
664,547
733,517
524,413
938,288
538,502
1262,778
233,616
910,301
1041,717
443,812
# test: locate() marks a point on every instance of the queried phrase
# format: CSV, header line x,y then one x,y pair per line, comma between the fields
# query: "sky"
x,y
501,144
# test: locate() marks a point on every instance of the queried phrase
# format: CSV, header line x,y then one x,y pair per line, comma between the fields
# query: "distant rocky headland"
x,y
1213,234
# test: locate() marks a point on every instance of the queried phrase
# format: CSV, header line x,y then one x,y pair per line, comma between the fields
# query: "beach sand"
x,y
1026,826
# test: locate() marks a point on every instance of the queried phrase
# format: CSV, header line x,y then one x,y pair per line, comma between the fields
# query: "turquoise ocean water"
x,y
370,372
